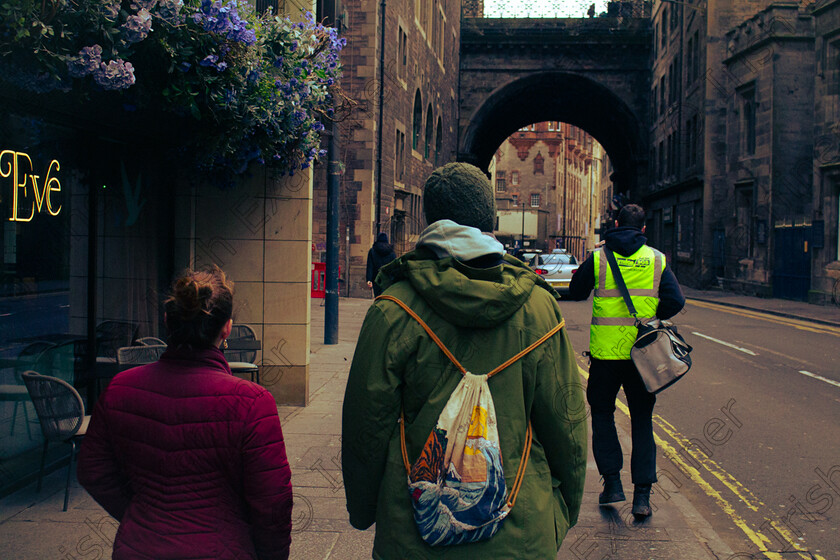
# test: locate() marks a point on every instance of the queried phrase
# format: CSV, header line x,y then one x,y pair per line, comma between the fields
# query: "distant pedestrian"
x,y
654,291
486,307
378,256
188,458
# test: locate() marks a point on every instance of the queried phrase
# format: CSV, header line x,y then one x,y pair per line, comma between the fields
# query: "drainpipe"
x,y
381,116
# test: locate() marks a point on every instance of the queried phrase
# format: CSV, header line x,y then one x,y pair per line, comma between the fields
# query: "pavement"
x,y
33,526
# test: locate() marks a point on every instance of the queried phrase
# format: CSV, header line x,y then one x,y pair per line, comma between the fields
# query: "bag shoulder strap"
x,y
526,451
452,358
619,280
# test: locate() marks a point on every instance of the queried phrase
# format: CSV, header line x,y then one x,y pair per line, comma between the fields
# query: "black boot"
x,y
641,501
613,491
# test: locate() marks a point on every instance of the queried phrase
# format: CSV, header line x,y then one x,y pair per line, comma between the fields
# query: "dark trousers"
x,y
605,379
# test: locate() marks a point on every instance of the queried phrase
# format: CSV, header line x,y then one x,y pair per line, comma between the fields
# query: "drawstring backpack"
x,y
457,485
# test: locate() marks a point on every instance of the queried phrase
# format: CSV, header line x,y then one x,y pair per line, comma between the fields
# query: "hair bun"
x,y
188,297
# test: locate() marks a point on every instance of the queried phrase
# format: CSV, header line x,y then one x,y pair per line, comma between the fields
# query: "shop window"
x,y
535,200
427,152
417,124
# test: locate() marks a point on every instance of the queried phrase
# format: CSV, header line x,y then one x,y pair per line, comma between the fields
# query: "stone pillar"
x,y
260,234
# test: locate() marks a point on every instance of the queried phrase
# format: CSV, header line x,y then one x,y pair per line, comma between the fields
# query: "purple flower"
x,y
111,9
184,66
116,75
170,11
86,63
209,60
136,28
293,47
138,5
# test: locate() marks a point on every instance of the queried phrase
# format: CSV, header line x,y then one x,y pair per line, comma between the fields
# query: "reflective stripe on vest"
x,y
613,331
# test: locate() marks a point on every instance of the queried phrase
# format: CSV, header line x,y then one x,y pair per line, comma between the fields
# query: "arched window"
x,y
439,142
429,128
418,121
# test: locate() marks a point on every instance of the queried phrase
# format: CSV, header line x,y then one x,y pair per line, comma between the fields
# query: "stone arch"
x,y
565,97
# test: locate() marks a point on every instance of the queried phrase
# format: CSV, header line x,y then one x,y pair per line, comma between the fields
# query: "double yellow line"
x,y
755,536
795,323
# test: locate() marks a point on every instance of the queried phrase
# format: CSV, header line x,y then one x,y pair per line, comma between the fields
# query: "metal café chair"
x,y
241,351
150,341
138,355
17,392
112,335
61,413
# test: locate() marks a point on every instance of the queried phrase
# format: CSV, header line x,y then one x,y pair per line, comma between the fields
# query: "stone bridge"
x,y
592,73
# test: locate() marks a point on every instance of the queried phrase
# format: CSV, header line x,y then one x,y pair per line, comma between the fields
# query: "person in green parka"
x,y
486,307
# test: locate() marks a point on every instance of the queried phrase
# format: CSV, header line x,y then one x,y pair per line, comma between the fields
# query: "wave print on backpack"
x,y
458,487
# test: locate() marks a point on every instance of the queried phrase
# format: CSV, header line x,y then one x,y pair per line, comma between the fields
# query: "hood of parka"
x,y
463,295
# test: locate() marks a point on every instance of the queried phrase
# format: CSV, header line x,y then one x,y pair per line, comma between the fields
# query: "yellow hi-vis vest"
x,y
613,331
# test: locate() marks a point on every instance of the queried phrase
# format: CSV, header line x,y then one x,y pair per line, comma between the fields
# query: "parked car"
x,y
557,268
529,255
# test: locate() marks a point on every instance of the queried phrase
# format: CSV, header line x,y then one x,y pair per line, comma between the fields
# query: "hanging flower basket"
x,y
252,88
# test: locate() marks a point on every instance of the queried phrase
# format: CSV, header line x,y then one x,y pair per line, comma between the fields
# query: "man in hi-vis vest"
x,y
655,292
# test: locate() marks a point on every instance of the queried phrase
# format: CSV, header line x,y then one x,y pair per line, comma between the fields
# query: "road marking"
x,y
820,377
755,536
744,350
743,493
801,325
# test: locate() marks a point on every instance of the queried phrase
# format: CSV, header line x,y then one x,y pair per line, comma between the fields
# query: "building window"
x,y
539,164
429,131
689,61
662,95
515,199
500,181
402,53
417,124
550,126
656,41
664,35
399,157
748,107
439,142
743,220
661,167
514,177
535,200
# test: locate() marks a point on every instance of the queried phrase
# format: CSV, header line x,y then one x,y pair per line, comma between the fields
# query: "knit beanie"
x,y
462,193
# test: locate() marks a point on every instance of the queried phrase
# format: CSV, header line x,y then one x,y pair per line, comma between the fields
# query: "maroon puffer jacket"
x,y
191,461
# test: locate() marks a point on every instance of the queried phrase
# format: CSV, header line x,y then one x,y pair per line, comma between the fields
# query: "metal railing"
x,y
524,9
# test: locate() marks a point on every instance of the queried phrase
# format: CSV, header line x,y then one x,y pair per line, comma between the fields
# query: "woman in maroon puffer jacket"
x,y
187,457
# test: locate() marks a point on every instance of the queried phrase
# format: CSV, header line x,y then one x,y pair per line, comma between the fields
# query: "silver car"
x,y
557,269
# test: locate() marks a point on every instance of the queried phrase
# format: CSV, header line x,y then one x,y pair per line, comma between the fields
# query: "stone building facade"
x,y
708,73
764,201
398,124
545,185
825,242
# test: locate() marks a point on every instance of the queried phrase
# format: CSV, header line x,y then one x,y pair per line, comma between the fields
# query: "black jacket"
x,y
625,241
379,255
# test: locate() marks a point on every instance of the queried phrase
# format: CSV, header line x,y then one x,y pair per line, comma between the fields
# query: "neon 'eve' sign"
x,y
18,166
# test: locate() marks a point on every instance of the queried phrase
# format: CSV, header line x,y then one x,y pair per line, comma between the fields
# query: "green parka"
x,y
484,316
